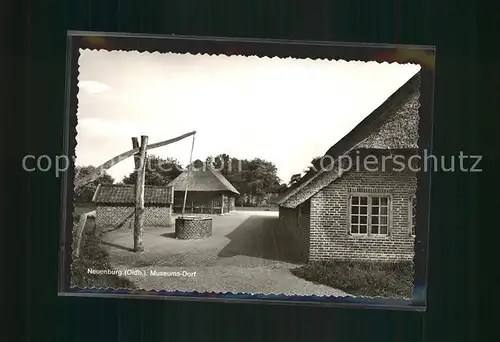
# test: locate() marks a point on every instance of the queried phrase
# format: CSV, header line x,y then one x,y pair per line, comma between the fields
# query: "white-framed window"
x,y
369,214
412,214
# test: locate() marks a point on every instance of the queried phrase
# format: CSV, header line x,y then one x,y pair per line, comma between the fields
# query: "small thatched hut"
x,y
208,191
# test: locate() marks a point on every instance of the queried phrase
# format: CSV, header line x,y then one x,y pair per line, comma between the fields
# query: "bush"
x,y
385,279
80,208
92,255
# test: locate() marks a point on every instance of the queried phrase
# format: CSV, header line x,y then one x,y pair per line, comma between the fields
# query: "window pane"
x,y
374,219
383,220
364,200
363,210
375,210
413,230
383,229
384,200
355,210
375,200
363,219
363,229
354,229
383,211
354,219
375,229
355,200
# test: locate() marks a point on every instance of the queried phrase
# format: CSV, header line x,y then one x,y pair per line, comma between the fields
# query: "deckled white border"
x,y
253,57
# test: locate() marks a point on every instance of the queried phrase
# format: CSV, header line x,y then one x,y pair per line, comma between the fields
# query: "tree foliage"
x,y
281,188
85,193
294,179
256,179
314,166
316,162
159,171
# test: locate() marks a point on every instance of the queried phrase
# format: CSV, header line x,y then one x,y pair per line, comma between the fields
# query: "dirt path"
x,y
234,279
248,253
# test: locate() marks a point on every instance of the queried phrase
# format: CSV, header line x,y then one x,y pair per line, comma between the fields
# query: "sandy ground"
x,y
248,253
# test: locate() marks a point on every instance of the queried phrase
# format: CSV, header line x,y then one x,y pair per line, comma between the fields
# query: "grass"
x,y
92,255
371,279
81,208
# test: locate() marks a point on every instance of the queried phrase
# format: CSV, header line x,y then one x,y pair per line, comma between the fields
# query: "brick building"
x,y
361,204
115,206
208,191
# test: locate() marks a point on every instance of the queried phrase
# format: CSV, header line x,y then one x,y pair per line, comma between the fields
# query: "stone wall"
x,y
115,217
193,228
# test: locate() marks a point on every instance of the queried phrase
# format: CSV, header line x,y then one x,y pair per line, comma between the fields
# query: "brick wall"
x,y
186,229
108,218
329,235
297,222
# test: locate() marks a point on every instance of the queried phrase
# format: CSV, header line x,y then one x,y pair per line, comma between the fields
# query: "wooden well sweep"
x,y
192,227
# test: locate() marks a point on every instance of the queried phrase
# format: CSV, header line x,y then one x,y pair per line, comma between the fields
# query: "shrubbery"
x,y
92,255
361,278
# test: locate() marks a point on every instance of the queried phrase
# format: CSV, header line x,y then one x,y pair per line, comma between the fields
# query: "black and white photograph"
x,y
215,173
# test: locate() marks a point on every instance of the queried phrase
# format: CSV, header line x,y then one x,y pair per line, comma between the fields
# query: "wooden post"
x,y
137,164
139,194
187,179
137,156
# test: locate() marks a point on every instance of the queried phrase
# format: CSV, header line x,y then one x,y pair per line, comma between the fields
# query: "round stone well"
x,y
193,227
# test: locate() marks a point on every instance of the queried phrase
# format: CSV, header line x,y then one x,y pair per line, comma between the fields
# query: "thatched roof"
x,y
202,177
393,125
113,194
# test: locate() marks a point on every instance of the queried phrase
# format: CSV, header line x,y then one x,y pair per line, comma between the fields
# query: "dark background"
x,y
34,65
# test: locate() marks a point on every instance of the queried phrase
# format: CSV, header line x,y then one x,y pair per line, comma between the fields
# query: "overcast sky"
x,y
284,110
